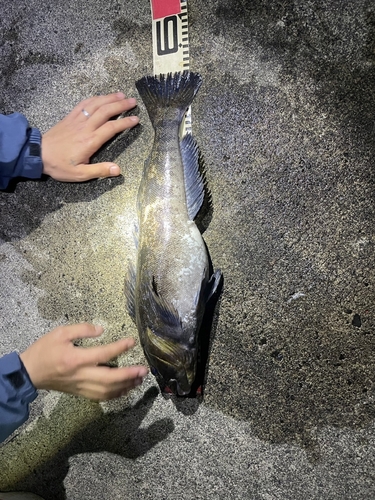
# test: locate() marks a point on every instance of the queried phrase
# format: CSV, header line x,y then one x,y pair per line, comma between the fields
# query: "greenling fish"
x,y
168,290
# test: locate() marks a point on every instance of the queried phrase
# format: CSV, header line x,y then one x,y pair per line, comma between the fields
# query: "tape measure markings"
x,y
170,42
184,33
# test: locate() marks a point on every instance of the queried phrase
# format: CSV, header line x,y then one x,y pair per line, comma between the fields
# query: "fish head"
x,y
169,340
172,360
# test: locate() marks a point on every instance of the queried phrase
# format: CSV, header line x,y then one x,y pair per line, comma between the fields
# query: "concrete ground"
x,y
285,120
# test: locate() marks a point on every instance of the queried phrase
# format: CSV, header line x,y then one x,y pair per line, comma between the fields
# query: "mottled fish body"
x,y
168,290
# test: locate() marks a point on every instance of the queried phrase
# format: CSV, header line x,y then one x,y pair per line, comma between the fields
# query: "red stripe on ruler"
x,y
164,8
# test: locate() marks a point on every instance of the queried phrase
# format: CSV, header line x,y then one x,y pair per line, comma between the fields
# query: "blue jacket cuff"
x,y
30,162
20,149
16,379
16,392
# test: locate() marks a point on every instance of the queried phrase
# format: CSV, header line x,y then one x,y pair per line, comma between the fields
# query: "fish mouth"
x,y
176,388
180,384
174,364
173,388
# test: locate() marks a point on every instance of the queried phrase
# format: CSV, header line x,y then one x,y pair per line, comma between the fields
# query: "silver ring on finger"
x,y
86,113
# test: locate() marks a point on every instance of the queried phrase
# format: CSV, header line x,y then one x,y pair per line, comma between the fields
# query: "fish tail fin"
x,y
171,92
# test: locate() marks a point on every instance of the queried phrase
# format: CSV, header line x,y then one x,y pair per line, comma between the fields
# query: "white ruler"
x,y
170,42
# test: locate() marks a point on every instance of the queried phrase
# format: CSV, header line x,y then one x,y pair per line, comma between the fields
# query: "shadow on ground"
x,y
117,433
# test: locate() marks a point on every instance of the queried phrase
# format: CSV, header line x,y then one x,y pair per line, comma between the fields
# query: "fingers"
x,y
108,383
104,353
98,110
68,146
119,376
106,111
103,129
93,103
113,127
86,172
94,355
80,331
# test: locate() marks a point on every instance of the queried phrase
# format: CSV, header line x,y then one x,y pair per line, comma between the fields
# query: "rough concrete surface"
x,y
285,120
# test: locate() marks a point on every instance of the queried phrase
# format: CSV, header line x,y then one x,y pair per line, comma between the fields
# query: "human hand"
x,y
68,146
54,362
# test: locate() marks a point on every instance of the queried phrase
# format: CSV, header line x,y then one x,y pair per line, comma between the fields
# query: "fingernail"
x,y
137,382
134,118
143,372
114,170
99,329
132,101
120,95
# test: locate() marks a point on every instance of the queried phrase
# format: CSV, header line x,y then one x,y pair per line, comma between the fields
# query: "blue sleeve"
x,y
20,149
16,392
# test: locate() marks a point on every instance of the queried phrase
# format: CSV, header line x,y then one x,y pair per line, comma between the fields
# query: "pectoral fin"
x,y
162,316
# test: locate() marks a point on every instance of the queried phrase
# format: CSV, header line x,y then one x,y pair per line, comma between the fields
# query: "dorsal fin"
x,y
194,182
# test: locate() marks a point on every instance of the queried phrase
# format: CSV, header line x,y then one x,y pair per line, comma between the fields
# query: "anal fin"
x,y
212,285
194,181
129,290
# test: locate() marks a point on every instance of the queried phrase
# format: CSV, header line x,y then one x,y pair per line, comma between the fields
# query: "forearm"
x,y
20,149
16,393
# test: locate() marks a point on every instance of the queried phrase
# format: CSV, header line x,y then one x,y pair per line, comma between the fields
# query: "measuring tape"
x,y
170,42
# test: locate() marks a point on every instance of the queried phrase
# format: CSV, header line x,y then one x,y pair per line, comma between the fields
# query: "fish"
x,y
168,288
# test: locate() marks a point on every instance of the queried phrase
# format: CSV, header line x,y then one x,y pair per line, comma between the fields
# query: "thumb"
x,y
97,170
